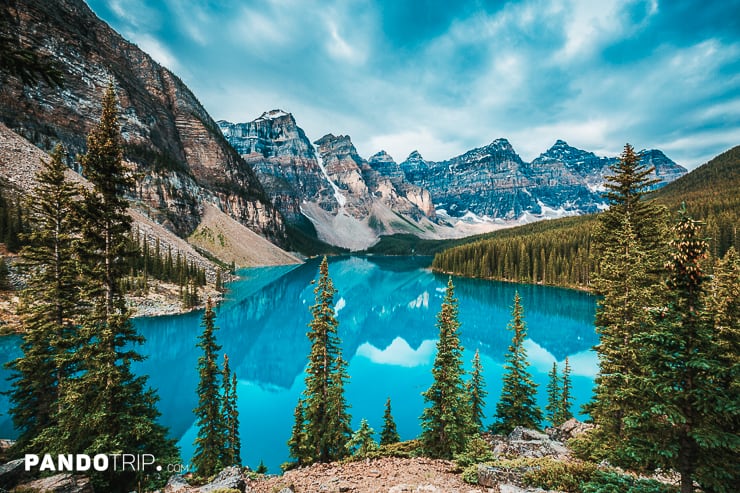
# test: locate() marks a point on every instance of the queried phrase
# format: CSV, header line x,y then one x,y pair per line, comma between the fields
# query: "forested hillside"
x,y
558,252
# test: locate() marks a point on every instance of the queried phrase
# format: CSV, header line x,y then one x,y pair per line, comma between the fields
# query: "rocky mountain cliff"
x,y
493,182
347,200
177,151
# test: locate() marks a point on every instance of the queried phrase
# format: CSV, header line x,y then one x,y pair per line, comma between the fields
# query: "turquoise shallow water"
x,y
387,312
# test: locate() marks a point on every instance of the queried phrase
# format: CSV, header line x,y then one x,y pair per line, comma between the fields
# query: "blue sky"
x,y
445,76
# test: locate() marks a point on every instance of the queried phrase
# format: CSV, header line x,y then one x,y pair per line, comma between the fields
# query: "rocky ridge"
x,y
326,187
493,182
350,201
177,151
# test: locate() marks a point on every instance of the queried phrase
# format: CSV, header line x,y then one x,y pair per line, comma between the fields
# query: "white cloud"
x,y
590,25
338,47
399,353
584,363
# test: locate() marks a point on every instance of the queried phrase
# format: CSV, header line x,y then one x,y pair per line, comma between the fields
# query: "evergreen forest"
x,y
560,252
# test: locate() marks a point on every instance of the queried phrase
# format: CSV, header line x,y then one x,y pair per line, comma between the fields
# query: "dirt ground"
x,y
391,475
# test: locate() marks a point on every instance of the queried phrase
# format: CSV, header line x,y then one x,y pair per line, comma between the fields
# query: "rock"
x,y
12,473
521,433
491,477
60,483
287,489
229,478
171,141
177,484
570,429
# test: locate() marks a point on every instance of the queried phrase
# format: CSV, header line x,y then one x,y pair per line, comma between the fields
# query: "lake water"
x,y
386,307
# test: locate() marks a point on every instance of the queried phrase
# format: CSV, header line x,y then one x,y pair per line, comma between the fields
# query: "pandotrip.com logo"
x,y
100,463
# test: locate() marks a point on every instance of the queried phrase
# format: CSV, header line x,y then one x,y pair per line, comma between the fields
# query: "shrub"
x,y
470,474
476,451
612,482
545,472
404,450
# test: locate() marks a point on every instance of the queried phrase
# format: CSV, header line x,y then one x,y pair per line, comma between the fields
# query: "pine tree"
x,y
554,397
477,391
565,398
50,305
691,424
446,422
4,273
630,246
323,409
389,434
517,405
106,408
362,442
230,413
209,443
297,444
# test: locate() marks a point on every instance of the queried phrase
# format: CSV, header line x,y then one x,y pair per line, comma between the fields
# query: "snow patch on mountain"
x,y
341,199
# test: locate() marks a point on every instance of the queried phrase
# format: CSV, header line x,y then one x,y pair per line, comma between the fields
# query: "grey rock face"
x,y
284,160
11,473
330,175
175,148
229,478
60,483
493,180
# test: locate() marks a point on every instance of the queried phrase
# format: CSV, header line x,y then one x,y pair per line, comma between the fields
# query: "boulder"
x,y
570,429
229,478
521,433
60,483
492,477
177,484
12,473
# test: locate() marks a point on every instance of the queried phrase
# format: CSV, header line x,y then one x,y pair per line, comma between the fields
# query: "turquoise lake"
x,y
386,307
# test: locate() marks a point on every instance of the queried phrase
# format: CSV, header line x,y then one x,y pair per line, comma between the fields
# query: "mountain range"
x,y
351,201
212,182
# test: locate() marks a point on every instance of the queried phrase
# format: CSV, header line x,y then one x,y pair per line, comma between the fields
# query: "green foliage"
x,y
554,396
389,434
261,468
12,223
403,450
50,306
4,273
476,451
690,424
630,245
517,405
210,441
544,256
149,261
561,251
565,398
321,426
477,391
470,474
362,442
101,407
710,192
446,422
613,482
230,416
546,472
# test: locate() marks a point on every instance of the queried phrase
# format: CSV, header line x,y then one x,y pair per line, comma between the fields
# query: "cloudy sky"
x,y
445,76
